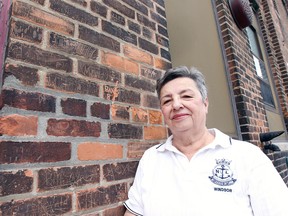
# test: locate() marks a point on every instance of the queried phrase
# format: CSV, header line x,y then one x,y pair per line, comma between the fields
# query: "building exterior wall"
x,y
78,103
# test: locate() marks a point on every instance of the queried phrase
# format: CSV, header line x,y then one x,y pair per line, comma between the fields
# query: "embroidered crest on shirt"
x,y
222,174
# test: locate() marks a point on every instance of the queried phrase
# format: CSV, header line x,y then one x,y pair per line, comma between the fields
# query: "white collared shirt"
x,y
224,178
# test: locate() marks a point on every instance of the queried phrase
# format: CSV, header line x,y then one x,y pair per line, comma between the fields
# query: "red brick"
x,y
99,151
34,55
50,205
148,46
71,84
26,75
73,47
161,64
119,171
139,83
73,107
23,31
155,133
16,182
120,8
34,152
125,131
139,115
98,8
40,17
117,211
17,125
96,38
113,93
120,63
120,113
101,196
100,110
155,117
99,72
41,2
137,149
29,100
119,32
75,128
137,54
73,12
64,177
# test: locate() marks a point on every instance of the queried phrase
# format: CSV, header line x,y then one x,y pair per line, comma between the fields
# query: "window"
x,y
260,66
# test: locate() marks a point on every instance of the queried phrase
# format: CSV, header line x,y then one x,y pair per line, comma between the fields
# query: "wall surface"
x,y
79,105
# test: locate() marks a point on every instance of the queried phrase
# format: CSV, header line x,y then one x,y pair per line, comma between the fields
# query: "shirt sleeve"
x,y
267,190
134,203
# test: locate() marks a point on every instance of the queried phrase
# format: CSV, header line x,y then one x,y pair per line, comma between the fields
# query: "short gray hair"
x,y
184,71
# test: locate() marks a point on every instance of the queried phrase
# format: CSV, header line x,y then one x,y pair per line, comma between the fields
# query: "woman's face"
x,y
182,106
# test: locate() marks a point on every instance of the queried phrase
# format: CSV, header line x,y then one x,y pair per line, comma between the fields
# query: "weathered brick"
x,y
41,2
151,73
134,27
119,32
148,3
40,17
146,22
120,112
34,152
161,64
98,8
162,41
163,31
150,47
155,117
74,107
75,128
73,47
124,131
121,95
151,101
120,63
99,151
80,2
137,54
23,31
97,71
137,149
117,211
29,100
117,18
100,110
16,182
160,2
147,33
161,11
158,19
165,54
102,196
155,133
27,76
119,171
34,55
71,84
64,177
96,38
120,8
137,5
139,115
139,83
50,205
17,125
73,12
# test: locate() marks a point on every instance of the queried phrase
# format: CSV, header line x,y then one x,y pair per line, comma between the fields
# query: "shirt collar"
x,y
221,140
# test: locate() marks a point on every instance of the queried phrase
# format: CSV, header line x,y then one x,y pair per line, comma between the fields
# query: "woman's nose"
x,y
177,104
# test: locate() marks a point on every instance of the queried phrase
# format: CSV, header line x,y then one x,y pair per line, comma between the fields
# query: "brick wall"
x,y
246,89
79,106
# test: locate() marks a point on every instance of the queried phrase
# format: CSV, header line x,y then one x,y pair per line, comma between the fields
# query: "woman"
x,y
200,171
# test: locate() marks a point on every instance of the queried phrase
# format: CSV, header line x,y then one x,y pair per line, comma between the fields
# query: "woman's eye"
x,y
166,102
187,96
